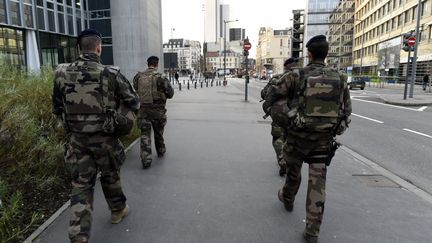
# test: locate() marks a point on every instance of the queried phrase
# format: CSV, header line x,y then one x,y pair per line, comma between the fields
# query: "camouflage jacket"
x,y
289,84
272,81
111,90
163,89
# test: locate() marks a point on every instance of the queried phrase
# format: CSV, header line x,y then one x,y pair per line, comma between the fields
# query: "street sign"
x,y
247,46
411,41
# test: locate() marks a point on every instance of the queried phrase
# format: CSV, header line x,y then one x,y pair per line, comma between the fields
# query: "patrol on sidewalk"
x,y
153,91
277,131
318,109
96,104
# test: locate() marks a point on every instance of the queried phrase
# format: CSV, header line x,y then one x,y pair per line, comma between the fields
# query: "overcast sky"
x,y
187,17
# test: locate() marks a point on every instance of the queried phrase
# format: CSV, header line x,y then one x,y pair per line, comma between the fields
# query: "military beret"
x,y
317,38
290,60
89,32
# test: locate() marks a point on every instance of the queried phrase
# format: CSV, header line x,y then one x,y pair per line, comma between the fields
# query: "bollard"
x,y
206,84
179,86
201,84
195,84
188,85
211,84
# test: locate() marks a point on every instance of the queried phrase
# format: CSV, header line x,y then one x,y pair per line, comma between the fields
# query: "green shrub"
x,y
31,153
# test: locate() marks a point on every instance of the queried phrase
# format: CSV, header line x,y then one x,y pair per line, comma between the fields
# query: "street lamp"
x,y
171,56
224,61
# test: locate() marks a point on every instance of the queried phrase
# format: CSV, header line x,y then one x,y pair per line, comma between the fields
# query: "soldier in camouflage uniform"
x,y
96,104
278,132
153,90
310,139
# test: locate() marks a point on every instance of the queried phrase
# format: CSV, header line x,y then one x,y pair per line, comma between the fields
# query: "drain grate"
x,y
376,181
264,122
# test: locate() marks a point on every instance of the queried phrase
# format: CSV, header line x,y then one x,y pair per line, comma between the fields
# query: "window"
x,y
2,12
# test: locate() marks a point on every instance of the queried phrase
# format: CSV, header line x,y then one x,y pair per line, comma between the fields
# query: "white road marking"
x,y
422,108
418,133
367,118
378,103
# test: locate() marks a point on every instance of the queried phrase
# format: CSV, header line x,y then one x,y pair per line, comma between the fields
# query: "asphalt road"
x,y
397,138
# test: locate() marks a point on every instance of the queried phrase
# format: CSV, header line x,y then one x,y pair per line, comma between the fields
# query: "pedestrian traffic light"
x,y
406,46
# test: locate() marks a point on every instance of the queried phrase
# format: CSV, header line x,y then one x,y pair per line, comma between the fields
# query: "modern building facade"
x,y
340,35
317,21
236,34
40,32
274,47
215,14
377,37
188,54
297,34
34,33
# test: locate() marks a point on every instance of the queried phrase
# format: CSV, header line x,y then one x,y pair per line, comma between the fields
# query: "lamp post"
x,y
224,60
171,58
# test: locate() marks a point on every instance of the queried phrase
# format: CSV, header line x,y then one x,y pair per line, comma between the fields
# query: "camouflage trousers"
x,y
146,125
85,156
278,134
316,185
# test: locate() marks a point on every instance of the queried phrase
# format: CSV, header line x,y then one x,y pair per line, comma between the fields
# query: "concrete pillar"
x,y
32,52
136,34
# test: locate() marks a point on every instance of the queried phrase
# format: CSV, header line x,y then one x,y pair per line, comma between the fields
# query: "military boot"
x,y
289,206
309,238
161,151
282,171
116,217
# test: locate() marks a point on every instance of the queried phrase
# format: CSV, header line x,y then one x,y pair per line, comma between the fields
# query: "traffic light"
x,y
405,44
245,53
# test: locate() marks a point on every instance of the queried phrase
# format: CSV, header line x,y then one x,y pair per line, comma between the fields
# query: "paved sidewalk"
x,y
219,179
420,97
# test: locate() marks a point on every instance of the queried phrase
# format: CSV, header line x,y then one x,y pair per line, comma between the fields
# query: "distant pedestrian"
x,y
153,91
425,81
176,76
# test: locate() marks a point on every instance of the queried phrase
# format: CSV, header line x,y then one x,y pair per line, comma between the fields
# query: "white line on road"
x,y
378,103
422,108
367,118
418,133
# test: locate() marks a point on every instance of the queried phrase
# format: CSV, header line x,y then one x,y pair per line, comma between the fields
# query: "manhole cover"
x,y
376,181
264,122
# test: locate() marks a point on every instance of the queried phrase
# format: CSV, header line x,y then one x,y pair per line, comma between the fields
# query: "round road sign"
x,y
411,41
247,46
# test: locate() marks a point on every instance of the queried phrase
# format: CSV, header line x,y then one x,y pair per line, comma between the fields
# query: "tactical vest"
x,y
87,98
317,105
148,88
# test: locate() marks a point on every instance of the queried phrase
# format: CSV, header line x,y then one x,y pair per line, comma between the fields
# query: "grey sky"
x,y
187,17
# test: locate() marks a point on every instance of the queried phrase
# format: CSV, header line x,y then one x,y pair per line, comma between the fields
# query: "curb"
x,y
63,208
407,104
390,175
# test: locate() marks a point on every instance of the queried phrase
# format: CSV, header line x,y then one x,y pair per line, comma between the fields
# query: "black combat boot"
x,y
289,206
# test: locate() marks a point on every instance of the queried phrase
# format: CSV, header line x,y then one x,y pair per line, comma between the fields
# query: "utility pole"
x,y
414,62
246,47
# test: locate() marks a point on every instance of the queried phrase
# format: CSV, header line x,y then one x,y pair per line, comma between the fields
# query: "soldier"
x,y
278,132
153,90
96,105
319,106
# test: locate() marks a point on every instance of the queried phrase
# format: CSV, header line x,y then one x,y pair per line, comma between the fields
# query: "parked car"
x,y
356,83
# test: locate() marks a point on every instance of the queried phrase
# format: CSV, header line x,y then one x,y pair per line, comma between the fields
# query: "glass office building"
x,y
326,17
40,32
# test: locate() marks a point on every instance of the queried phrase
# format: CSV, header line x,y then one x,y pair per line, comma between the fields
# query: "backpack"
x,y
148,87
89,101
317,106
